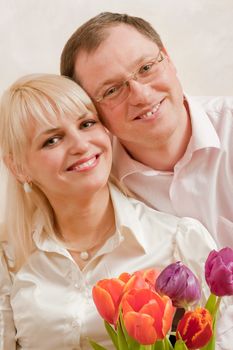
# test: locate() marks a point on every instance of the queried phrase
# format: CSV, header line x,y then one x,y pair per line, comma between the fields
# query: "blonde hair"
x,y
35,96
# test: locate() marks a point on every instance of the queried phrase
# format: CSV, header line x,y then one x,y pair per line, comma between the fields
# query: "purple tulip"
x,y
180,284
219,272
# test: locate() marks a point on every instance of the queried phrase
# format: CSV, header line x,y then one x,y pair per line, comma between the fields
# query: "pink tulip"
x,y
219,272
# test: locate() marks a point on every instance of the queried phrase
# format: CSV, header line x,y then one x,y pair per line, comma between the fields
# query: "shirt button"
x,y
75,324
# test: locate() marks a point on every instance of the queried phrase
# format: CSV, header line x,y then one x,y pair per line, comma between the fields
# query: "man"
x,y
174,152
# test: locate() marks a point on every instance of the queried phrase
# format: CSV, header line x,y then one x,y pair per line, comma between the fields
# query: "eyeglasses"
x,y
145,74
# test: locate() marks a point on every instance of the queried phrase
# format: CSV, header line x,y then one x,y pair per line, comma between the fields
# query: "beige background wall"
x,y
198,35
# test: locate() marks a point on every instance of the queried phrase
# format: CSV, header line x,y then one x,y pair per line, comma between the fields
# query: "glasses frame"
x,y
134,76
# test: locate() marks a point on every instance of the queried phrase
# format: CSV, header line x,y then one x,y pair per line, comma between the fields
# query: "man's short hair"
x,y
92,33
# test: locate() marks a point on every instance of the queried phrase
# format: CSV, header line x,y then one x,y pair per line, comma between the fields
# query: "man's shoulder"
x,y
213,105
219,110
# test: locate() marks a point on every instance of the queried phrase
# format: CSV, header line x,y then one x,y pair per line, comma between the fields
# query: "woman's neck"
x,y
82,223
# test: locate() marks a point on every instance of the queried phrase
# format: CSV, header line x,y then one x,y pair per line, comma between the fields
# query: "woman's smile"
x,y
84,164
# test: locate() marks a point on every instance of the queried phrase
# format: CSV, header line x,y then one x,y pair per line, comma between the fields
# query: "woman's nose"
x,y
78,142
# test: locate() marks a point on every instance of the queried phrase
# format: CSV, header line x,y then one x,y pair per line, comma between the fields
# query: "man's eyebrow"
x,y
115,79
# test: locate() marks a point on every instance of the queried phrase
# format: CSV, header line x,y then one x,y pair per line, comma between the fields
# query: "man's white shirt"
x,y
201,185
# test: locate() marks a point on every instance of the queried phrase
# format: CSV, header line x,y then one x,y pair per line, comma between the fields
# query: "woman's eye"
x,y
51,141
87,124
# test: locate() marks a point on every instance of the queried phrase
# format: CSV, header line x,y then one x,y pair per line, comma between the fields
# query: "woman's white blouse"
x,y
48,304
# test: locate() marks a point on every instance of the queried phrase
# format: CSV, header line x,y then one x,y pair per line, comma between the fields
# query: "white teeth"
x,y
150,113
86,164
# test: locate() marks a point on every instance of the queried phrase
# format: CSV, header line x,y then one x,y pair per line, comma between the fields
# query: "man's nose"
x,y
139,93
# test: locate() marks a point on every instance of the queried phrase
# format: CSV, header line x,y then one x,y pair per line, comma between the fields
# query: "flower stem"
x,y
216,307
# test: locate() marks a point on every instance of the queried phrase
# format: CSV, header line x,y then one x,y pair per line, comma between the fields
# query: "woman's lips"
x,y
84,164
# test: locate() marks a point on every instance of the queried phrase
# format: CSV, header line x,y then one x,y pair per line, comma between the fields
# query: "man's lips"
x,y
149,113
84,164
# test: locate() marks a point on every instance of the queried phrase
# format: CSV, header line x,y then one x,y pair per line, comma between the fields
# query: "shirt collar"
x,y
126,223
203,132
124,164
126,217
43,241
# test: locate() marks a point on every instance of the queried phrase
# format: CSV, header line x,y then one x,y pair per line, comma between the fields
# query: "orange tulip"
x,y
144,279
195,328
107,293
147,316
107,296
125,276
150,277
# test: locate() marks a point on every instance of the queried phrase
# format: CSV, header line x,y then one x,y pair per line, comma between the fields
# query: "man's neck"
x,y
165,156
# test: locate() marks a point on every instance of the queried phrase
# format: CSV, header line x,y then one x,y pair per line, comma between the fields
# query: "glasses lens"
x,y
119,97
145,74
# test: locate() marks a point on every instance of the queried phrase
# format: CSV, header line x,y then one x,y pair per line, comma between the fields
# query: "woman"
x,y
67,226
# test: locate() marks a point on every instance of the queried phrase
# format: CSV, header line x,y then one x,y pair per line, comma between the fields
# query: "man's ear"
x,y
16,169
164,51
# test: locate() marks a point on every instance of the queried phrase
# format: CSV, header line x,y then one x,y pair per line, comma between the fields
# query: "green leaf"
x,y
96,346
214,313
112,333
210,345
159,345
167,343
211,302
180,345
122,343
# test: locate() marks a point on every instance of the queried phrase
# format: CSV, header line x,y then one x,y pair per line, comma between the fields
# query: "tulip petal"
x,y
114,287
150,276
180,284
136,298
104,304
168,316
219,272
195,328
147,302
152,309
162,312
140,327
124,276
136,282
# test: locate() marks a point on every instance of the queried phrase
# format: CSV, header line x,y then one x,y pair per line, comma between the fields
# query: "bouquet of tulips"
x,y
138,309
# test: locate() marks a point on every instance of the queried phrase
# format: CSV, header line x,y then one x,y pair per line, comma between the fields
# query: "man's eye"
x,y
51,141
112,91
87,124
146,68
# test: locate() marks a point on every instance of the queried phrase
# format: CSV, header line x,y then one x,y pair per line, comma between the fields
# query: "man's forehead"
x,y
114,57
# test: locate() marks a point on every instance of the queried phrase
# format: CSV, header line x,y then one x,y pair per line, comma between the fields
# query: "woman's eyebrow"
x,y
55,129
46,132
